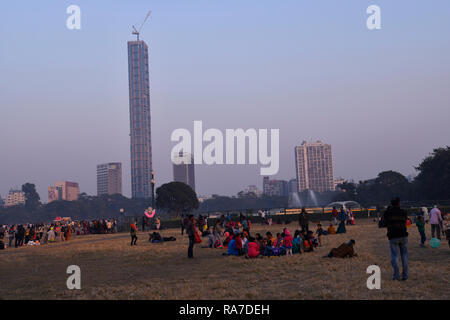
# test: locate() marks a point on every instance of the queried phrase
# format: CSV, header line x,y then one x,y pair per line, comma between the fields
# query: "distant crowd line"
x,y
58,231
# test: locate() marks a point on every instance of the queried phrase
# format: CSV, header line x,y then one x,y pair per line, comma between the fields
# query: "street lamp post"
x,y
153,189
122,216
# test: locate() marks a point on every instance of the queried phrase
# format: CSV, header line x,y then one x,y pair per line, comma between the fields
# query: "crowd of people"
x,y
57,231
237,239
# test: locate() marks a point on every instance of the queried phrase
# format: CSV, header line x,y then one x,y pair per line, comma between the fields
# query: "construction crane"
x,y
136,32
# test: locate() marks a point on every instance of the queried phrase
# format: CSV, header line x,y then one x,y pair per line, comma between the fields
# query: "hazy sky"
x,y
310,68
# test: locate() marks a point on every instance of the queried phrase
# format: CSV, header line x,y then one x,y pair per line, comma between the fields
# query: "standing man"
x,y
303,220
190,230
435,221
395,221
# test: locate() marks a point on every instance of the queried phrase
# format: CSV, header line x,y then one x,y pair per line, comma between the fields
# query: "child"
x,y
239,246
331,229
278,240
296,242
253,248
245,242
420,223
314,240
287,242
320,232
307,245
268,248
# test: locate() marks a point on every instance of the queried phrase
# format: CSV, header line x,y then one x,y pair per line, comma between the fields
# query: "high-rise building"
x,y
15,198
292,185
314,166
109,178
140,133
275,187
183,168
63,190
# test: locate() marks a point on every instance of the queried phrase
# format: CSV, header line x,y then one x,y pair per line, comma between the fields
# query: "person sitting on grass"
x,y
308,246
253,248
268,248
232,247
296,242
260,241
238,239
343,251
244,236
314,240
278,240
331,229
211,239
320,232
228,238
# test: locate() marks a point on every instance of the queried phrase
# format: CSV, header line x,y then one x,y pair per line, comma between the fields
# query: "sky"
x,y
311,69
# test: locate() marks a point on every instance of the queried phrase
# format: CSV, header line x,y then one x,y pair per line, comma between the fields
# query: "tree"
x,y
348,192
391,184
176,196
32,199
433,180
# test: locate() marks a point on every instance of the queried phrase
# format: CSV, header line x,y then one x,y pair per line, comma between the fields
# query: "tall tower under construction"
x,y
140,124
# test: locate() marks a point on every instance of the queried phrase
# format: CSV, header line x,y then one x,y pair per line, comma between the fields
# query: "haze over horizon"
x,y
314,71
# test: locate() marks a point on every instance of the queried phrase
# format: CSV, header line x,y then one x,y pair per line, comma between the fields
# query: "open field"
x,y
111,269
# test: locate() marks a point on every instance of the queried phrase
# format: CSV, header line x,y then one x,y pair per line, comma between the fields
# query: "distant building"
x,y
2,202
203,198
253,189
275,187
63,190
337,182
184,168
15,198
109,178
292,185
314,167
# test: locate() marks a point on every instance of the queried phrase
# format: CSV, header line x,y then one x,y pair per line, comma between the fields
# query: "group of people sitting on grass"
x,y
238,241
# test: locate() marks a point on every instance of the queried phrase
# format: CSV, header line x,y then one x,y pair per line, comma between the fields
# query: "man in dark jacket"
x,y
395,220
303,220
190,230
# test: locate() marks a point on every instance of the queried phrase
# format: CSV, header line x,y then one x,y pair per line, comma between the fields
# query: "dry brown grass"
x,y
111,269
